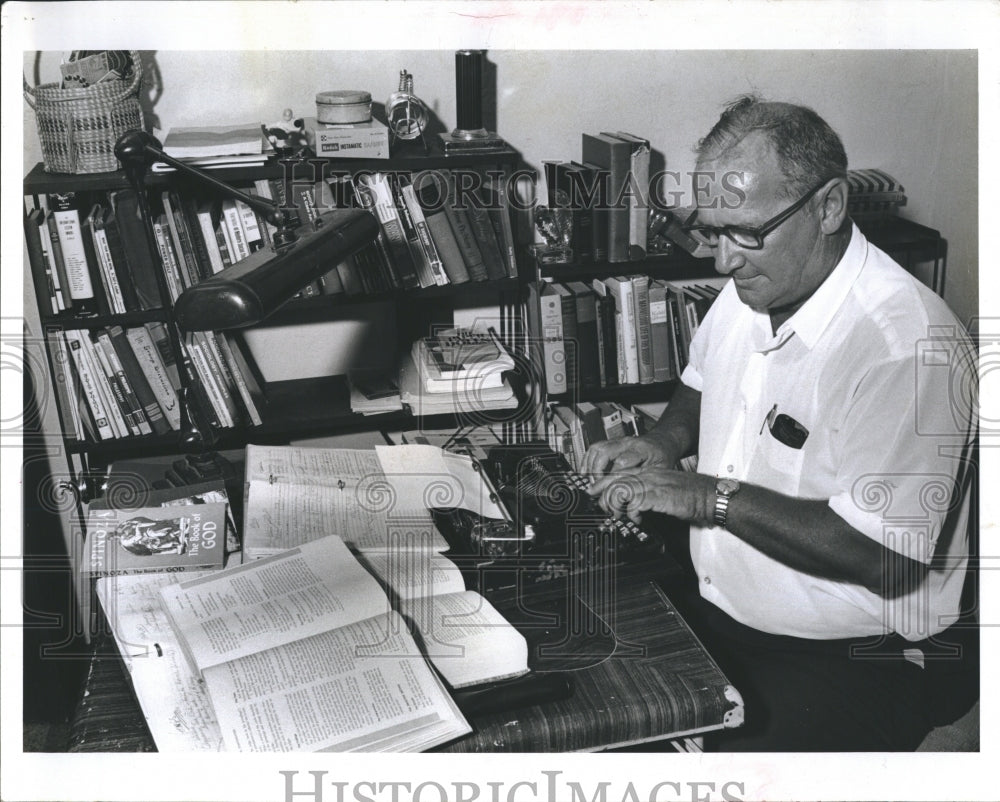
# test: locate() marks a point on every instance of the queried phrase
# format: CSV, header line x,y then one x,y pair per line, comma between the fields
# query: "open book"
x,y
373,499
302,652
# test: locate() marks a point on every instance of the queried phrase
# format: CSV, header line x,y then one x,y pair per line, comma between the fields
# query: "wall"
x,y
913,113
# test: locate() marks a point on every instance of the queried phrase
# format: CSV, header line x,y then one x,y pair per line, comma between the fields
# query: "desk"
x,y
639,674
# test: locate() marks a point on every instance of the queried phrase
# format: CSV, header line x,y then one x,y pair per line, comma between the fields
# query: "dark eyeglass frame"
x,y
752,238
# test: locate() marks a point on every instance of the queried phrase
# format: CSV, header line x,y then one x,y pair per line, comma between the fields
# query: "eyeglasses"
x,y
750,238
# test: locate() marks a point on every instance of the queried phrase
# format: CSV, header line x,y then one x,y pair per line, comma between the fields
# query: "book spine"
x,y
213,379
59,291
148,359
659,332
137,379
231,219
499,209
366,200
677,325
168,260
570,336
421,258
644,344
173,222
60,277
586,332
424,234
621,289
552,342
136,247
239,380
613,156
388,217
607,326
128,403
447,245
221,374
461,227
86,371
209,396
119,261
251,227
206,224
67,397
161,339
103,251
40,273
486,239
70,234
191,224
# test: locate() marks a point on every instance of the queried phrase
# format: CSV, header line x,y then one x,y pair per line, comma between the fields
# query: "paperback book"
x,y
154,539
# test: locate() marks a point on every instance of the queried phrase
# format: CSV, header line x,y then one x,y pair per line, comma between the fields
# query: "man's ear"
x,y
833,209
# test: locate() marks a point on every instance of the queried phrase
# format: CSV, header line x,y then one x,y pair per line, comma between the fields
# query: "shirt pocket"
x,y
776,465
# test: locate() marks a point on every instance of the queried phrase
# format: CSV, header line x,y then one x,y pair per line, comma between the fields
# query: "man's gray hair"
x,y
808,149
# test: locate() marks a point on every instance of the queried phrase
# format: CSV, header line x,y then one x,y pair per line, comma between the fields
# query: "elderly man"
x,y
820,401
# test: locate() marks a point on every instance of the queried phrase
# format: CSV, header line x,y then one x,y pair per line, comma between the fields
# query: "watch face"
x,y
726,487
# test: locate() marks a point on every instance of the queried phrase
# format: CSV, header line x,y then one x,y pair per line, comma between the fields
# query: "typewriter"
x,y
552,523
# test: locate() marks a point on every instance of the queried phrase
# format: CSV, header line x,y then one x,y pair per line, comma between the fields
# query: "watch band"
x,y
721,510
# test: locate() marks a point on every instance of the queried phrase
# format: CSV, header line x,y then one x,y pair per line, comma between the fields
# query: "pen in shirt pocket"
x,y
784,428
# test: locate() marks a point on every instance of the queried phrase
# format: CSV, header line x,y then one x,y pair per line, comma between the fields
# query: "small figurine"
x,y
287,136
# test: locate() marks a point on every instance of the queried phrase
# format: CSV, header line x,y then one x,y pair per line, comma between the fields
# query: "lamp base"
x,y
471,141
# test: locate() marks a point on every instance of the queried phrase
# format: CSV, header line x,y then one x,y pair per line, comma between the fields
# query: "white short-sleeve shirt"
x,y
880,374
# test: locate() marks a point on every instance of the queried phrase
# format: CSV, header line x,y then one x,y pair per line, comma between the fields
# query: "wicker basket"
x,y
78,127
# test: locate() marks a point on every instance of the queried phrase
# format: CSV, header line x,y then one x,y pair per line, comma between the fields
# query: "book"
x,y
41,272
67,385
399,259
432,194
373,391
620,287
97,220
154,539
409,198
545,335
588,350
161,339
596,181
567,308
470,197
138,380
494,195
119,411
418,250
64,211
644,344
90,379
151,364
136,248
614,156
204,141
638,195
325,666
207,215
607,337
169,260
461,360
660,332
381,258
132,408
456,210
246,386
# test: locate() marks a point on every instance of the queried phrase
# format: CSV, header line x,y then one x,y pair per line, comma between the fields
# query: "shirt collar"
x,y
812,318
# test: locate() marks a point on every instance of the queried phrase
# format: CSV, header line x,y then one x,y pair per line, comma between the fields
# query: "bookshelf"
x,y
295,408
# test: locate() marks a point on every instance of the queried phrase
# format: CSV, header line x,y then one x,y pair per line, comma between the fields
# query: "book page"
x,y
363,687
321,466
437,479
410,574
279,516
467,639
172,697
273,601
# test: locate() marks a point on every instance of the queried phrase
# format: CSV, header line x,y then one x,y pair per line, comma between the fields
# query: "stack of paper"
x,y
216,146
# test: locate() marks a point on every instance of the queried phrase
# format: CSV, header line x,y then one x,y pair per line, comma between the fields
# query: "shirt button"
x,y
708,580
729,468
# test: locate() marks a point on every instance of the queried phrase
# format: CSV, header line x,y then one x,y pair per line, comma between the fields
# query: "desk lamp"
x,y
249,291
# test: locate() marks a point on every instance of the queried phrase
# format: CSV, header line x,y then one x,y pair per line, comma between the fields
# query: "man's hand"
x,y
629,492
624,453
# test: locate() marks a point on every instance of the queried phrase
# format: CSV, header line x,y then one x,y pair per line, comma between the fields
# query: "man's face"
x,y
787,270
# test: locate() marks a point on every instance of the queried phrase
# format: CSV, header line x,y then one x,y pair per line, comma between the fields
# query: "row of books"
x,y
614,331
606,196
89,253
873,194
121,382
573,428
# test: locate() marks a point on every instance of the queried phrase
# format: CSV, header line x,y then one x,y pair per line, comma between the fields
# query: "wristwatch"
x,y
725,489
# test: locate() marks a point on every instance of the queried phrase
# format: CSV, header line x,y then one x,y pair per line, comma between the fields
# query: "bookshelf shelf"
x,y
294,409
679,264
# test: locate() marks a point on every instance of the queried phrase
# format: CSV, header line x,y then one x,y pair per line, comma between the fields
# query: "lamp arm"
x,y
137,148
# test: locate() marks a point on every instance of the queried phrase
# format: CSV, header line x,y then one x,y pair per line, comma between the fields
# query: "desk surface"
x,y
638,672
